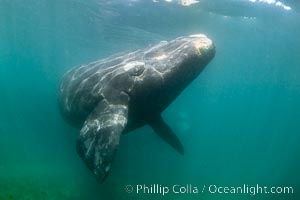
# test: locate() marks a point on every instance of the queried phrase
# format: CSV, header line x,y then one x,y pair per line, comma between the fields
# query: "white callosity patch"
x,y
202,42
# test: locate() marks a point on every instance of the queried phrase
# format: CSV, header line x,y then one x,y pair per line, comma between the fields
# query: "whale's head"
x,y
168,67
181,59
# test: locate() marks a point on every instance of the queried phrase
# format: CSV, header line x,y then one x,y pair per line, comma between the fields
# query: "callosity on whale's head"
x,y
165,69
183,57
113,96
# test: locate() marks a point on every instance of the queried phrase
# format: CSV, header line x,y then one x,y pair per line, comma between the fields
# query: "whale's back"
x,y
81,87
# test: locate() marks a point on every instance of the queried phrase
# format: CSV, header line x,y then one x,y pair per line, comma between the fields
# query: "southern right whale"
x,y
116,95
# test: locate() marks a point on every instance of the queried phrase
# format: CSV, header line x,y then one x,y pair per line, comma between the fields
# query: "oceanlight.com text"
x,y
211,189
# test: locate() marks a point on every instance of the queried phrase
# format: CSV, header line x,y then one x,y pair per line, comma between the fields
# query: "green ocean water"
x,y
239,121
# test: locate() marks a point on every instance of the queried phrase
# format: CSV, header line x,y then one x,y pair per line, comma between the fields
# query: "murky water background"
x,y
239,120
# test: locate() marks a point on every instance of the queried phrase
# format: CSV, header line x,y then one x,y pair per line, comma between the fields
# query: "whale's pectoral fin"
x,y
100,135
165,132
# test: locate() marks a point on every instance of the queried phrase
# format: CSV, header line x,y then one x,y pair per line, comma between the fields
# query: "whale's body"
x,y
113,96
